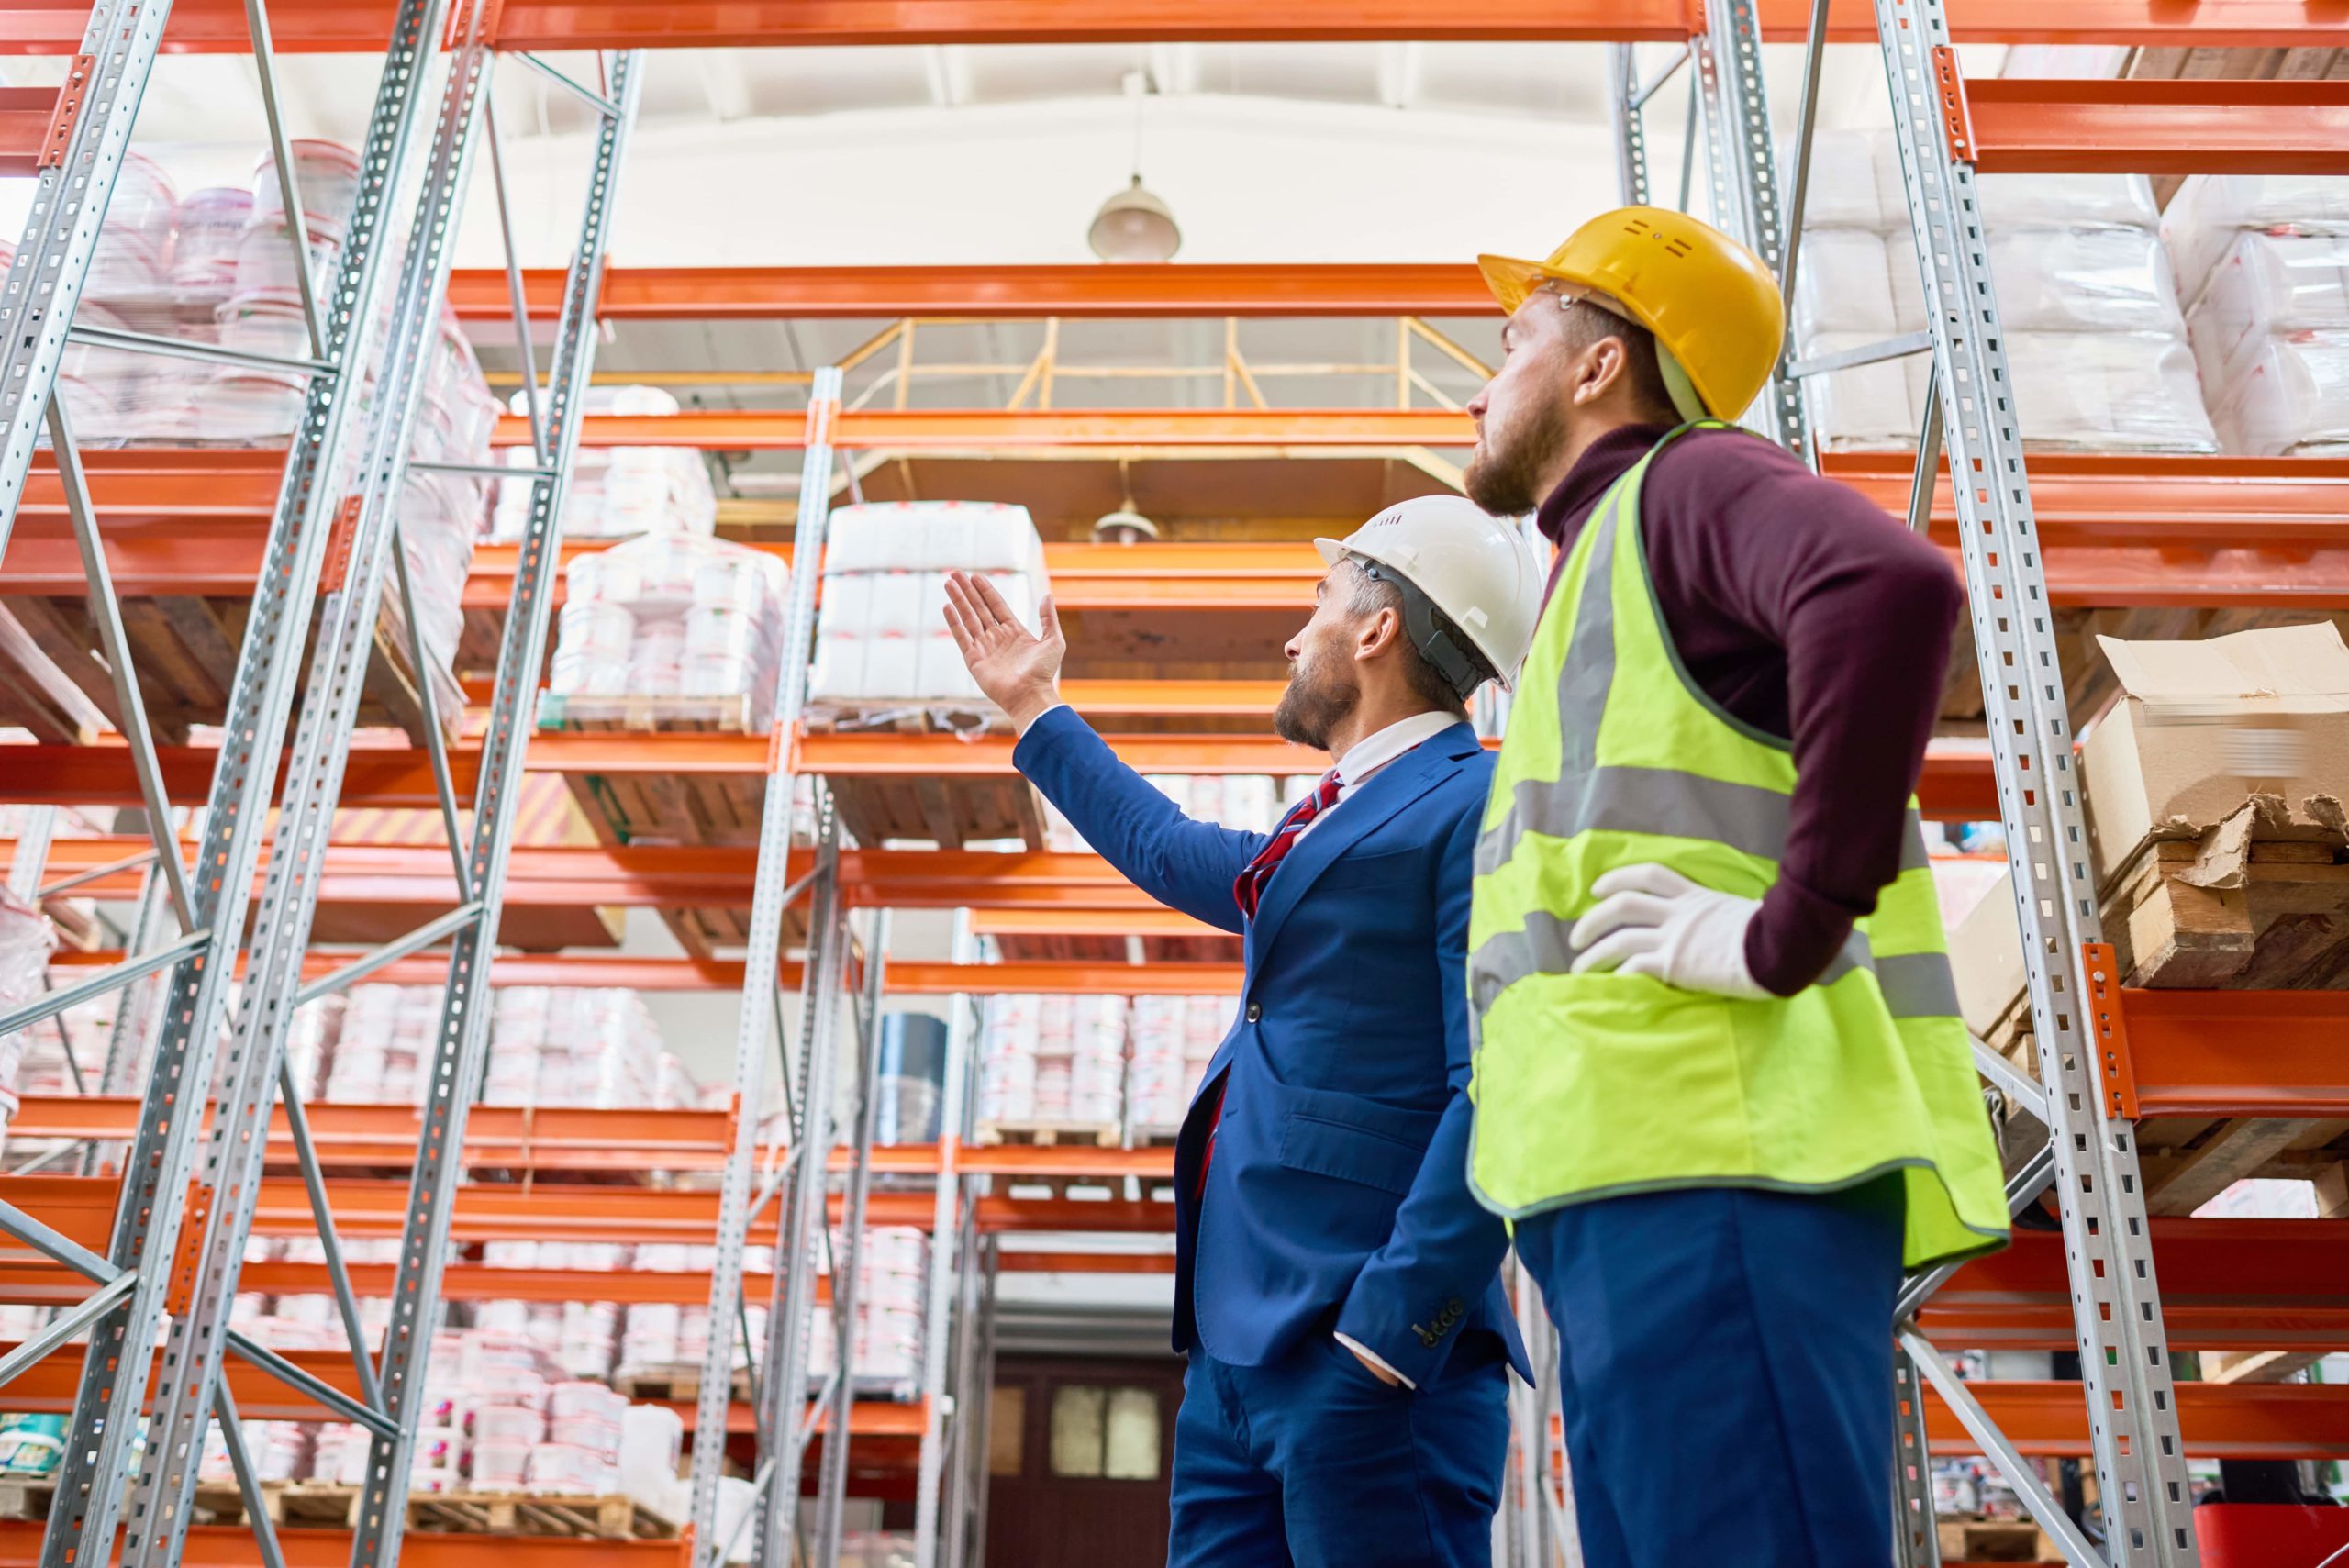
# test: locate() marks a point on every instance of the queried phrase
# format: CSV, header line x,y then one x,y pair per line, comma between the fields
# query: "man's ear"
x,y
1597,368
1377,633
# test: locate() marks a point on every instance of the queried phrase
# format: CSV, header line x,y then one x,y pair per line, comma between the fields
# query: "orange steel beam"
x,y
25,115
56,27
754,294
2255,1053
1148,922
2218,1420
989,429
1956,786
2186,127
1018,1262
48,1387
595,970
231,1546
505,1136
2115,530
655,876
2227,1284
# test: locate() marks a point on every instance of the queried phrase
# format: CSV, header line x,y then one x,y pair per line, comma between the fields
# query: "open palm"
x,y
1018,670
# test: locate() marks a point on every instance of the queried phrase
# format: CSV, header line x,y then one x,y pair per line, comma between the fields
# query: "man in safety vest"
x,y
1721,1084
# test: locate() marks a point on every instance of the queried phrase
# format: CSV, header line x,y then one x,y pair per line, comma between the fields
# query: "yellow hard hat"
x,y
1713,304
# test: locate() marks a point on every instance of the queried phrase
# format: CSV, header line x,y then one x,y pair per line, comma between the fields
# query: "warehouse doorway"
x,y
1079,1454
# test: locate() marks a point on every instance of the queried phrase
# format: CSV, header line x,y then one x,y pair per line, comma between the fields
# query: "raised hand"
x,y
1019,672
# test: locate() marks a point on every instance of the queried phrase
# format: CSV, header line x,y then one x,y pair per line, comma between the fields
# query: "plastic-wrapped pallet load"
x,y
617,491
1053,1063
891,1267
2086,297
1165,1071
881,633
2266,267
670,627
27,939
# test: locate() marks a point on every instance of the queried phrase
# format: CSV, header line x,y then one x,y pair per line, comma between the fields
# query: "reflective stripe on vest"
x,y
1591,1085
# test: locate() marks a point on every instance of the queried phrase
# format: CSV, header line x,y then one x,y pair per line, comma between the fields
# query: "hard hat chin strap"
x,y
1440,643
1676,383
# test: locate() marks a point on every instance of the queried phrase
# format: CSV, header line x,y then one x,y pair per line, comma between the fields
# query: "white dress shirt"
x,y
1373,751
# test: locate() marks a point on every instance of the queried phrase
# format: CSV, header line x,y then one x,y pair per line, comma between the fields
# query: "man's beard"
x,y
1505,476
1314,705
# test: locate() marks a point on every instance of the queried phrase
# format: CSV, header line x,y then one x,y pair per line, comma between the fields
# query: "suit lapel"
x,y
1388,791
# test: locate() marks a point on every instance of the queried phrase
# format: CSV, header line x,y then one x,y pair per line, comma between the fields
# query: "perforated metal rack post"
x,y
99,101
2132,1415
801,1222
453,1078
148,1221
950,1241
1741,163
779,1411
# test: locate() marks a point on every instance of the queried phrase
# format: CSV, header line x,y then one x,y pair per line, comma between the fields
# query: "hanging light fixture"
x,y
1125,525
1134,225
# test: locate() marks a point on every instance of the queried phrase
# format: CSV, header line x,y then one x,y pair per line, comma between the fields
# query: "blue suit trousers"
x,y
1726,1374
1309,1461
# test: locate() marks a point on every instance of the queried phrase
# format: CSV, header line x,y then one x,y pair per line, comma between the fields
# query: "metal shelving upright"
x,y
125,1317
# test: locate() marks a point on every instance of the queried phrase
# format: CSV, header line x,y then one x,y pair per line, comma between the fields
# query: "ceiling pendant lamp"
x,y
1134,225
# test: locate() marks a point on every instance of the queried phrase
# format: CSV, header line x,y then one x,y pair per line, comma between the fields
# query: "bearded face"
x,y
1322,691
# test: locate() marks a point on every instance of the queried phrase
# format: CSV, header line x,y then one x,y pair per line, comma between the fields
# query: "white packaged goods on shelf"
x,y
1844,283
2084,280
2290,397
2269,286
2062,201
328,173
881,632
2104,392
1861,407
704,620
1855,182
2210,211
27,939
615,492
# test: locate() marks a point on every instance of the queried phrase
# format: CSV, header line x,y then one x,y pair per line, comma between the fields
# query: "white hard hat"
x,y
1476,568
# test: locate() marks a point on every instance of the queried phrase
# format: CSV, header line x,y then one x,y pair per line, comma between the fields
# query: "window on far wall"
x,y
1007,1430
1104,1434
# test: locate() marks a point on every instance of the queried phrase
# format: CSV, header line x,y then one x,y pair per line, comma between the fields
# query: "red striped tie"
x,y
1250,886
1247,890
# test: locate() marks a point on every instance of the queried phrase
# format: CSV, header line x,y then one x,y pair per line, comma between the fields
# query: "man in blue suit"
x,y
1336,1285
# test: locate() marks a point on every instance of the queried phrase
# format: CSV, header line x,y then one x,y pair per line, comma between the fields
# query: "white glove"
x,y
1651,920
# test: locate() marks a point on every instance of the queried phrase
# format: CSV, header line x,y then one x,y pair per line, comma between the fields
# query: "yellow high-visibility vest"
x,y
1594,1086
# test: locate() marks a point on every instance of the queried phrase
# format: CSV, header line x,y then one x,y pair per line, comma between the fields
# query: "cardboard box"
x,y
1986,959
2204,726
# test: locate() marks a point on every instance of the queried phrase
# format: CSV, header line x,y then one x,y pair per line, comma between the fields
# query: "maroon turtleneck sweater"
x,y
1804,611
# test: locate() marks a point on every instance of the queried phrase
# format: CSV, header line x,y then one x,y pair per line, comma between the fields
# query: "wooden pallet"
x,y
329,1506
55,683
687,810
30,1498
2258,902
1049,1134
1142,951
677,1384
1993,1540
649,715
906,715
951,813
1153,1135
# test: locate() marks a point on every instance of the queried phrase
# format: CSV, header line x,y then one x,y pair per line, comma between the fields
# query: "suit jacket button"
x,y
1255,1011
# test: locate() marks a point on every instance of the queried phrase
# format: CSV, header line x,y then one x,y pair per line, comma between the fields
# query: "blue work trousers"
x,y
1312,1461
1726,1374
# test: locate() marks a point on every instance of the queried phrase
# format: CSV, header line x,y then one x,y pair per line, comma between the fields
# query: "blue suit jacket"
x,y
1339,1178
